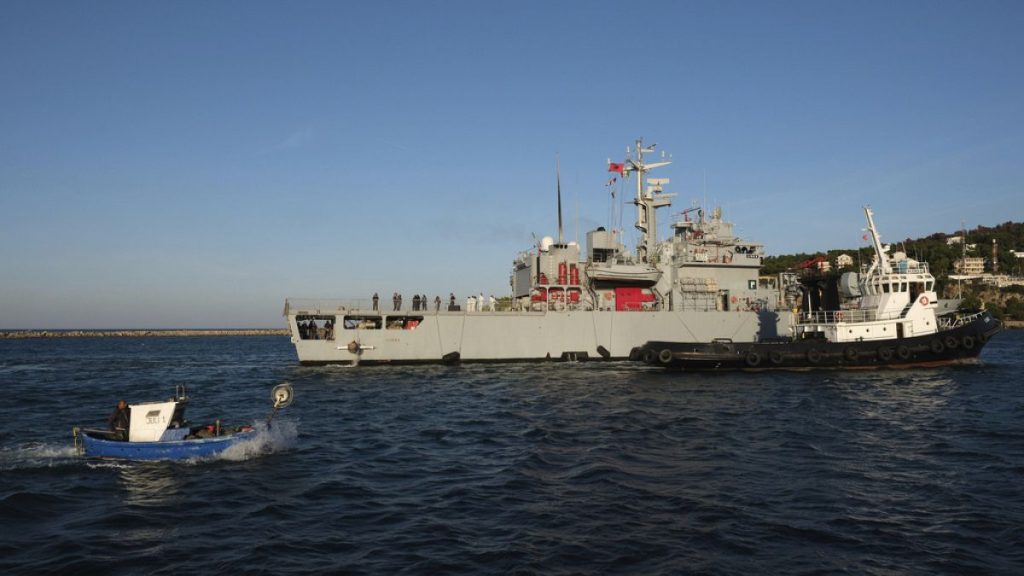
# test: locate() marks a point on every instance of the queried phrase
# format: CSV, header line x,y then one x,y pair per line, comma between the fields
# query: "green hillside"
x,y
1009,236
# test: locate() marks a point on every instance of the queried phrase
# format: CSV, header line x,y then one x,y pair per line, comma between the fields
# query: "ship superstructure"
x,y
698,284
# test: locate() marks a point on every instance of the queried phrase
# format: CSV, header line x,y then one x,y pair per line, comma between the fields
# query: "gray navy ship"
x,y
596,303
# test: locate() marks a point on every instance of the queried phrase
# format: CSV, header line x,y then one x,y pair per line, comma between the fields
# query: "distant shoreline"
x,y
19,334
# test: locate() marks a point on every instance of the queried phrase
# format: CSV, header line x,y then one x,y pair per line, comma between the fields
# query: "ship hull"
x,y
959,345
446,337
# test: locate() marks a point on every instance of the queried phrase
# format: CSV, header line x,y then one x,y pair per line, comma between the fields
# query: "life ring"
x,y
776,357
903,352
839,316
937,346
885,354
968,342
665,356
923,300
951,342
733,299
753,359
814,355
851,354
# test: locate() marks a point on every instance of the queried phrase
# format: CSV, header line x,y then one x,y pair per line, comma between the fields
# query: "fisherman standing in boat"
x,y
118,420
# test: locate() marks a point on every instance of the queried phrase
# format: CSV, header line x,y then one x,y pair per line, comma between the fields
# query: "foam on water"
x,y
36,455
278,437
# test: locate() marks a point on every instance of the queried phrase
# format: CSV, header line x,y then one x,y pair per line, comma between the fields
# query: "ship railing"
x,y
846,316
951,321
312,306
327,307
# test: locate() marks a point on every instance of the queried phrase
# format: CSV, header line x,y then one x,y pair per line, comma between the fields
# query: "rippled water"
x,y
538,468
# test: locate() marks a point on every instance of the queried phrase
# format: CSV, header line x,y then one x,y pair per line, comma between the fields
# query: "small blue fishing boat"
x,y
159,431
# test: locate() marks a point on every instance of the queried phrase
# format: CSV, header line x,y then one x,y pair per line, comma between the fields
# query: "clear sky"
x,y
192,164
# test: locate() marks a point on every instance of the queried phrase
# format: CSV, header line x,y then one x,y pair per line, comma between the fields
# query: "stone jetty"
x,y
138,333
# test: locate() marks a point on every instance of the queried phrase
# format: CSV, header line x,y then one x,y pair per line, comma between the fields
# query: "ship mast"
x,y
558,186
646,201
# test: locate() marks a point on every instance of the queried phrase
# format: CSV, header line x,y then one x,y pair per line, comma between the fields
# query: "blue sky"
x,y
192,164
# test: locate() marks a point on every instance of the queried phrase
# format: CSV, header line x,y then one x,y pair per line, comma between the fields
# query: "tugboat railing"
x,y
845,316
956,320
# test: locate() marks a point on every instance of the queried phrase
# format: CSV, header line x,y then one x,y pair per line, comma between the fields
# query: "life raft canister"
x,y
923,300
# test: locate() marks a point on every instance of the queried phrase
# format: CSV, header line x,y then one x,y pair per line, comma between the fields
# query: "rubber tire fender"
x,y
968,342
814,355
851,354
937,346
885,354
753,359
650,356
776,357
951,342
665,356
902,352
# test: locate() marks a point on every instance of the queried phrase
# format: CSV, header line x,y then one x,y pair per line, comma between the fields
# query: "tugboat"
x,y
159,431
891,320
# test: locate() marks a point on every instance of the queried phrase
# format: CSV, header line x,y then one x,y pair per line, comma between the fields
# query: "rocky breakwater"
x,y
137,333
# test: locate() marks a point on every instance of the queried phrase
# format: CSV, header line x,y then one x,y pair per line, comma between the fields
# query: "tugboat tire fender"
x,y
649,356
885,353
753,359
951,342
937,346
665,356
850,354
814,355
776,357
968,342
903,352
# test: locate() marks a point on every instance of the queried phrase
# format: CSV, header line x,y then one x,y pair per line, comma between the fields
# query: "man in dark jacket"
x,y
118,421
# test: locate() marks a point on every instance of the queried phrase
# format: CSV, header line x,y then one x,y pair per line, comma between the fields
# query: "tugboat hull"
x,y
959,345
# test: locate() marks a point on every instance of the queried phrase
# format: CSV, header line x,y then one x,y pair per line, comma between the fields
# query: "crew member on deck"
x,y
118,420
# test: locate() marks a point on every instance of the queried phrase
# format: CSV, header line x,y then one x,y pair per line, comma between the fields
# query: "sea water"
x,y
551,468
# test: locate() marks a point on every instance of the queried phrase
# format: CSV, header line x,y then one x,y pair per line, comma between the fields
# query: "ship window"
x,y
363,322
315,327
903,287
404,322
885,287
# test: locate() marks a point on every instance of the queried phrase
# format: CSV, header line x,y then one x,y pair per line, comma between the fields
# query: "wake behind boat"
x,y
890,319
159,431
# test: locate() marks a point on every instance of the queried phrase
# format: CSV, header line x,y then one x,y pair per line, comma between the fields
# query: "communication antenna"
x,y
558,184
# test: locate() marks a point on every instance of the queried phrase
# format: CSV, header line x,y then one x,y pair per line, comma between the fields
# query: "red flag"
x,y
613,167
